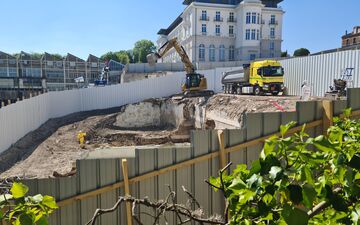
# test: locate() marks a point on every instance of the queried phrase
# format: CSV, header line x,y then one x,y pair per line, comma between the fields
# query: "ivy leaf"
x,y
237,185
254,181
323,144
309,195
1,215
285,128
42,221
270,145
49,202
36,199
245,195
5,197
26,219
215,181
275,172
267,199
306,175
255,167
295,192
355,215
347,112
19,190
294,216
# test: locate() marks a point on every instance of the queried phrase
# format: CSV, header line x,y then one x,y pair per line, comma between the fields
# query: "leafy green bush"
x,y
19,209
299,180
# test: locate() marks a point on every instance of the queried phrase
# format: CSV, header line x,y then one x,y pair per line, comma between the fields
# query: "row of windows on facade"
x,y
202,50
221,50
251,17
253,34
51,63
36,72
353,42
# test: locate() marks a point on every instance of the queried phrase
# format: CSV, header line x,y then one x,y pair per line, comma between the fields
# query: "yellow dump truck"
x,y
261,77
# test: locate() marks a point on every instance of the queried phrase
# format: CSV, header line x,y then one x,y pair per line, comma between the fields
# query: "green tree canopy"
x,y
284,54
120,56
141,49
301,52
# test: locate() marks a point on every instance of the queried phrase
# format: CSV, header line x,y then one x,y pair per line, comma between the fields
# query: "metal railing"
x,y
272,22
232,20
204,18
218,19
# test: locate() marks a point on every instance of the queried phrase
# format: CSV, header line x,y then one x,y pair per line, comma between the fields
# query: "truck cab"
x,y
267,77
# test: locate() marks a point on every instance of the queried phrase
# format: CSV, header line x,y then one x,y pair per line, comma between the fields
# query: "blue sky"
x,y
91,26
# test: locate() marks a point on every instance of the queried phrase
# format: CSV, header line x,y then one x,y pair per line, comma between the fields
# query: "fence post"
x,y
328,115
2,104
127,190
222,152
9,102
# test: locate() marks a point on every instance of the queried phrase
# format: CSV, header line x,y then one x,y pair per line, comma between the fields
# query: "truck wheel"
x,y
257,90
239,91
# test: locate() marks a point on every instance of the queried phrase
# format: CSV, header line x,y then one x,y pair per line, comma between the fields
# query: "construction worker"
x,y
305,91
81,137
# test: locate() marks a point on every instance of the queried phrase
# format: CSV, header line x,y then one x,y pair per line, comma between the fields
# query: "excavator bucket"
x,y
152,58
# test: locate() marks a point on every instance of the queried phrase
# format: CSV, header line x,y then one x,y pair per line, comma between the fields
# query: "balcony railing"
x,y
231,35
204,33
204,18
218,19
231,20
271,22
217,34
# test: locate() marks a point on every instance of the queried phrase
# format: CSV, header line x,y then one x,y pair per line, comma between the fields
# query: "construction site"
x,y
55,147
170,128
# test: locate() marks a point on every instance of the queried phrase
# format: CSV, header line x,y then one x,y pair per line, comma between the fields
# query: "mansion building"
x,y
226,30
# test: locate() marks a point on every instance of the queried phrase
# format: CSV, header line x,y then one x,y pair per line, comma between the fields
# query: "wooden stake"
x,y
127,190
222,150
328,115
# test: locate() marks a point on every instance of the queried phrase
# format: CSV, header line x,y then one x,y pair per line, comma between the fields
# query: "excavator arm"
x,y
173,43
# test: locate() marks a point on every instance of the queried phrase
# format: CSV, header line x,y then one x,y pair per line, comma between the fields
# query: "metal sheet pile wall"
x,y
320,70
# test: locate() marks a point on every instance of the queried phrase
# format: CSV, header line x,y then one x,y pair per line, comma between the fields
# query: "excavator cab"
x,y
195,85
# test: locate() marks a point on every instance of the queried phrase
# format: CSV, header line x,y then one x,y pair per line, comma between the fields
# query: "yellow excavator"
x,y
195,84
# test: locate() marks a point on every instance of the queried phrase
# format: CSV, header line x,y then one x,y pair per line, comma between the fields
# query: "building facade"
x,y
50,72
351,39
226,30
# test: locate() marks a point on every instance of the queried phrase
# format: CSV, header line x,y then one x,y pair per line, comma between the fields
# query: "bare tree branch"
x,y
164,205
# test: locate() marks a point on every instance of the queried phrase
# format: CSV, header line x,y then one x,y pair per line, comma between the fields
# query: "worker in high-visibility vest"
x,y
81,137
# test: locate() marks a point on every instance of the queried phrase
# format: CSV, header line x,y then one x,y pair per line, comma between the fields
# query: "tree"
x,y
284,54
301,52
19,209
123,57
298,180
108,56
141,49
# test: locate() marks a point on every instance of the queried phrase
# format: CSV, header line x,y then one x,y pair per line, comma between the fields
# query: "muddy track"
x,y
22,149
